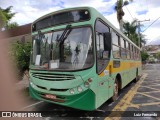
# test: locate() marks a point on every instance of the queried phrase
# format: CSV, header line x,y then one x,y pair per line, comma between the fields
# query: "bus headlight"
x,y
79,89
72,91
32,85
86,84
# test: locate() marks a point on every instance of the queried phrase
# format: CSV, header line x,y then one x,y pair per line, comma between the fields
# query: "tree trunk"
x,y
121,25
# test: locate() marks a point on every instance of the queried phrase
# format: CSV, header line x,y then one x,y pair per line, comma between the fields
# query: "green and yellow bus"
x,y
79,59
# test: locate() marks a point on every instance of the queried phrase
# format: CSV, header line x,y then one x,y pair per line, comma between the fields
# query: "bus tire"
x,y
115,91
137,77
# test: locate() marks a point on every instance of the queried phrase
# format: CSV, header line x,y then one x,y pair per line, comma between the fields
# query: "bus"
x,y
79,59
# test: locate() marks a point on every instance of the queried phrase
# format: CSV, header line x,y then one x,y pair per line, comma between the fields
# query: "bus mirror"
x,y
107,41
107,45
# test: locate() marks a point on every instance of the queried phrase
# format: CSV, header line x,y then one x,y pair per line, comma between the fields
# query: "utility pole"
x,y
139,36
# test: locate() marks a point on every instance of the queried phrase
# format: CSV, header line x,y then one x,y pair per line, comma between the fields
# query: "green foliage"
x,y
158,55
8,13
2,19
11,25
21,54
144,55
5,16
130,30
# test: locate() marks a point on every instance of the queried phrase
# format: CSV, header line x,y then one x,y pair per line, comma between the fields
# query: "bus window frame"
x,y
123,47
58,70
127,49
119,44
104,23
50,15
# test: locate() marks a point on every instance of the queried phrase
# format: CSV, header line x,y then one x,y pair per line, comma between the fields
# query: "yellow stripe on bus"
x,y
124,65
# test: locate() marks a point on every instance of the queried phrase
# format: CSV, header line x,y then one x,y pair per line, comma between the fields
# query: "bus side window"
x,y
115,45
103,47
123,49
127,49
131,50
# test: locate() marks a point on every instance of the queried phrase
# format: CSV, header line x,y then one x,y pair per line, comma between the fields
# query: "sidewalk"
x,y
23,84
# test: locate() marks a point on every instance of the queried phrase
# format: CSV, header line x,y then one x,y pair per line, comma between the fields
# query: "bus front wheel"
x,y
115,91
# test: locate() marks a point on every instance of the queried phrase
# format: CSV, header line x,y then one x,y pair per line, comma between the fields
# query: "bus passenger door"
x,y
103,48
102,86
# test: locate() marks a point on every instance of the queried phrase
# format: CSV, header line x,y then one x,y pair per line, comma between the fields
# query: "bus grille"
x,y
53,77
52,89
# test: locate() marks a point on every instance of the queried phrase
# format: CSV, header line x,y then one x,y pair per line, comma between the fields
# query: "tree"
x,y
11,25
120,13
2,19
5,17
142,39
21,54
158,55
144,56
130,30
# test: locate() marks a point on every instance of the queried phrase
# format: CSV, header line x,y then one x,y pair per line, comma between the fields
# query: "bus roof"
x,y
94,12
59,11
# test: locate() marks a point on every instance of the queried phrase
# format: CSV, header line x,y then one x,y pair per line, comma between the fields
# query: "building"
x,y
152,51
20,33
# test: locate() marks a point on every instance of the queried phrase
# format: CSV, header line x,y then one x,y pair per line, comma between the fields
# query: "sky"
x,y
29,10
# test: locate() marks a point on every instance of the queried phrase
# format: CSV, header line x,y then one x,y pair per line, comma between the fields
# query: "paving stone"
x,y
144,89
139,99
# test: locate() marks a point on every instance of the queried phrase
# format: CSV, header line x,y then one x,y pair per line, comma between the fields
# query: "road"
x,y
136,97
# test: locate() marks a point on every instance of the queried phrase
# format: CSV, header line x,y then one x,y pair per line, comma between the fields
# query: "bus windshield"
x,y
73,51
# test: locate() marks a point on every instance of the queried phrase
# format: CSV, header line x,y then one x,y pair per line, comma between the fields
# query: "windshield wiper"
x,y
61,40
65,34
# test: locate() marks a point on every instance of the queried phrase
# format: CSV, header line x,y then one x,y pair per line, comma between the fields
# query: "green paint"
x,y
84,100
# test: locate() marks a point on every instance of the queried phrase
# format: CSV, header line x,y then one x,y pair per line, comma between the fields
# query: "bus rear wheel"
x,y
115,91
137,77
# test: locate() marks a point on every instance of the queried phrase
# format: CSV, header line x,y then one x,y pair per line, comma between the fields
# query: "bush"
x,y
21,55
144,56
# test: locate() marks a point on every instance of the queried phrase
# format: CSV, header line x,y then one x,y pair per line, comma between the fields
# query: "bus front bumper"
x,y
84,100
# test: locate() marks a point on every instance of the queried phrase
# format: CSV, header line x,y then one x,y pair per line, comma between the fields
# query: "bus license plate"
x,y
50,96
